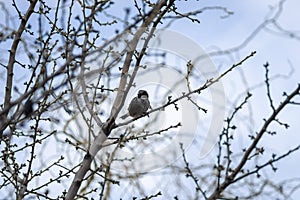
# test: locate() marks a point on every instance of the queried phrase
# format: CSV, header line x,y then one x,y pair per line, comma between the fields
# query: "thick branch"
x,y
12,57
117,105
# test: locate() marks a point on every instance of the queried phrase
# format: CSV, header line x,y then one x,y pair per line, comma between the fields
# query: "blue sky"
x,y
282,52
272,46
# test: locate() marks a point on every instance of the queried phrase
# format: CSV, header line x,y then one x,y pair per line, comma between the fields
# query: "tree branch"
x,y
231,178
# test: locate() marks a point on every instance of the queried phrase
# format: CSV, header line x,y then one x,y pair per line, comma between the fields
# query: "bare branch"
x,y
230,179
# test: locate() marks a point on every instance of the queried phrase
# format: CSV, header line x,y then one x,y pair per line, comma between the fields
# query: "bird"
x,y
28,108
27,111
138,105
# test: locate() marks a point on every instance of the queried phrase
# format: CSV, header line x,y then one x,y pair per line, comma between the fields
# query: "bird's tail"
x,y
124,116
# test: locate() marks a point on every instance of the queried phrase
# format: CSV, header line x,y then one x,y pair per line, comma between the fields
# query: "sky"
x,y
216,32
280,51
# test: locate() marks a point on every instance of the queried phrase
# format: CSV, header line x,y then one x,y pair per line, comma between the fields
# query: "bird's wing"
x,y
132,103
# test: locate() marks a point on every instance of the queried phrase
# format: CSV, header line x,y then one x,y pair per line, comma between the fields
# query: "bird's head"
x,y
143,94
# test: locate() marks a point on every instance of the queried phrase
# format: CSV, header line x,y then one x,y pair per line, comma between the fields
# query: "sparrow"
x,y
28,108
138,105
